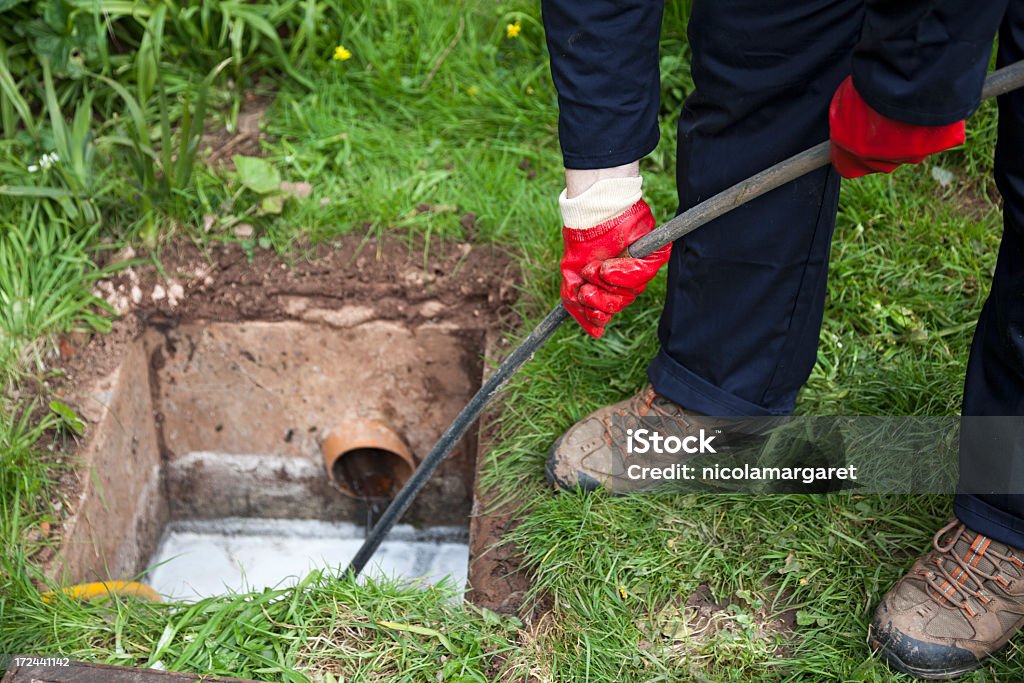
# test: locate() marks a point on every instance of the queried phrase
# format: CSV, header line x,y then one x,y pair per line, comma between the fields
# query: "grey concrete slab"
x,y
201,558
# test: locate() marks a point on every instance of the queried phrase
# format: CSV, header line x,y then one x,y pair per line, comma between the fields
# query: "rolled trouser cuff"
x,y
981,516
680,385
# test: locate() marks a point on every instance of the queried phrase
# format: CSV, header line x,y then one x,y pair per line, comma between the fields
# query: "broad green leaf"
x,y
257,174
805,618
31,191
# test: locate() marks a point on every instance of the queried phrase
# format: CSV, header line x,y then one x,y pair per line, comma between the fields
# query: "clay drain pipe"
x,y
366,459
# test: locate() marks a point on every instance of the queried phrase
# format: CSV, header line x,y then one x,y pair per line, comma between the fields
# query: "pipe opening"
x,y
371,473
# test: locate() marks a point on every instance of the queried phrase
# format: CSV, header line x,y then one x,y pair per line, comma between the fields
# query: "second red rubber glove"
x,y
599,278
864,141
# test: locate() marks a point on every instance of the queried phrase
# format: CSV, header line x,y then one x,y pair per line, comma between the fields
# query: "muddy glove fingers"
x,y
596,317
626,275
614,284
601,300
592,322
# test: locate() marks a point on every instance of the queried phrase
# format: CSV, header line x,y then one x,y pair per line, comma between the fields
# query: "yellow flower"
x,y
472,91
341,53
513,30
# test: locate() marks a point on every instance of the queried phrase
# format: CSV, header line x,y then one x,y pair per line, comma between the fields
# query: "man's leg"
x,y
746,292
964,599
995,373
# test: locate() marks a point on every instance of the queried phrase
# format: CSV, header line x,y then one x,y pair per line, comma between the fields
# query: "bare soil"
x,y
344,284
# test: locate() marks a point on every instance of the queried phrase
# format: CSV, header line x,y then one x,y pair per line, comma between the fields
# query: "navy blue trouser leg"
x,y
995,372
746,292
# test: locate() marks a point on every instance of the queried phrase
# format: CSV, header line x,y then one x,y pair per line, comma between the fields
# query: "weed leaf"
x,y
257,174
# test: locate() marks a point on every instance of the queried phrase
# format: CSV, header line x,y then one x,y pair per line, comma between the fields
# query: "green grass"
x,y
438,107
324,626
45,272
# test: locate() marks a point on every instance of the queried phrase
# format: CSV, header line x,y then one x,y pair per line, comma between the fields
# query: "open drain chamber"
x,y
271,423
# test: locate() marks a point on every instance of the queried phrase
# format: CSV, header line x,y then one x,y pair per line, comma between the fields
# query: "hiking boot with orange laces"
x,y
957,605
593,453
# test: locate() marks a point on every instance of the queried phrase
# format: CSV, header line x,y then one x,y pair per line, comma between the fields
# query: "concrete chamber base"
x,y
200,558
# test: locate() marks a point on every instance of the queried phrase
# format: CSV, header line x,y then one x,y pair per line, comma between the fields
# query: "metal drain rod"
x,y
997,83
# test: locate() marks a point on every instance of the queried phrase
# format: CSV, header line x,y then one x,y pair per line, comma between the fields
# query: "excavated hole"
x,y
211,465
191,417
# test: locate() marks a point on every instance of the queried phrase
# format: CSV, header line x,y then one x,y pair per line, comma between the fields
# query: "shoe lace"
x,y
639,407
955,569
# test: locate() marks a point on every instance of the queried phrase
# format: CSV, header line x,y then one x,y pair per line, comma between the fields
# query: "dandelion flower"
x,y
513,30
341,53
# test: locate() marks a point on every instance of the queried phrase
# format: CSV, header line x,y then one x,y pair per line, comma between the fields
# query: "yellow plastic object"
x,y
87,591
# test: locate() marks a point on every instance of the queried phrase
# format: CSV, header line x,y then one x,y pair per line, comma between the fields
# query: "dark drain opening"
x,y
371,473
374,475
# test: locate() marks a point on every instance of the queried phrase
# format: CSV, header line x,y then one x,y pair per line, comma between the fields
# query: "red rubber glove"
x,y
598,281
864,141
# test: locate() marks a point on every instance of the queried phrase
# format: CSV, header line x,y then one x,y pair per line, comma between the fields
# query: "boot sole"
x,y
893,660
927,674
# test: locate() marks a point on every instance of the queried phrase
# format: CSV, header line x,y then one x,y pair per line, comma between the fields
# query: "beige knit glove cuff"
x,y
602,201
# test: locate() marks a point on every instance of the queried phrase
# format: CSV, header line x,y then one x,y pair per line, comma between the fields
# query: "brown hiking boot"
x,y
957,605
593,453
